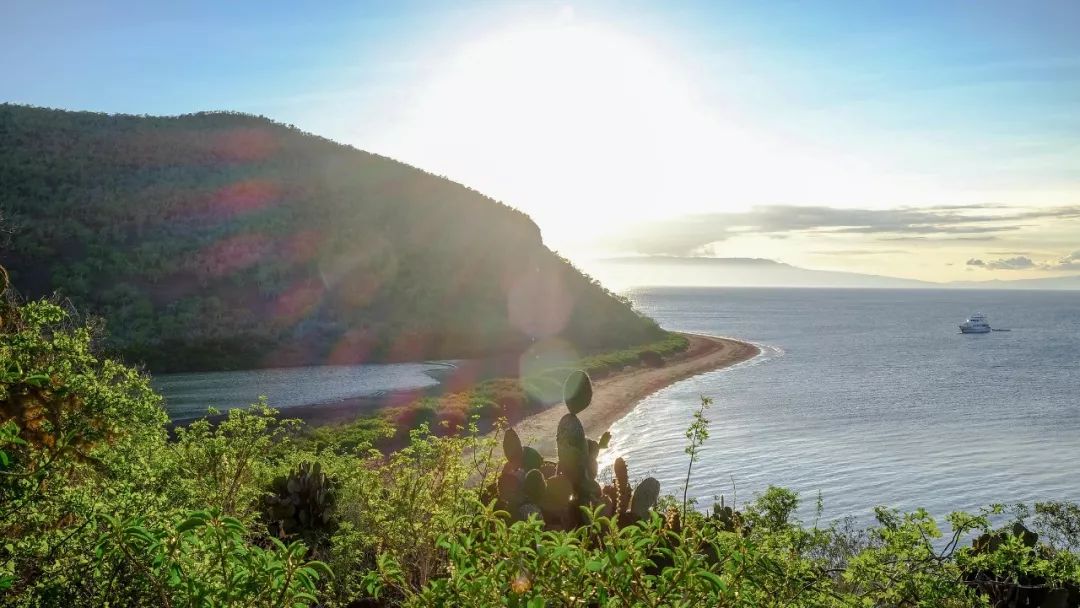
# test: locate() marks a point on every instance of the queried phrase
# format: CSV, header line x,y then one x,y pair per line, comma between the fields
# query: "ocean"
x,y
870,397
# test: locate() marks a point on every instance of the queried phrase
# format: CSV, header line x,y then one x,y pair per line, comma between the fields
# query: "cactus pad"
x,y
577,391
605,440
531,459
512,446
535,486
645,496
558,492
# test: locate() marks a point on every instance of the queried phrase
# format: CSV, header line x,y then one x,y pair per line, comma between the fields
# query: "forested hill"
x,y
221,241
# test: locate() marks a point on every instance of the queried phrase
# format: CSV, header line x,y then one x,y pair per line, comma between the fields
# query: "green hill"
x,y
222,240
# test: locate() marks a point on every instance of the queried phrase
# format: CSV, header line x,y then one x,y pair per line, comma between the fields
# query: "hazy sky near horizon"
x,y
930,140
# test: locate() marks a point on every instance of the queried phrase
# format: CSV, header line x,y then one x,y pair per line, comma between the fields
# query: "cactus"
x,y
609,492
645,496
549,469
571,433
573,464
593,491
512,447
558,489
577,391
535,486
609,505
557,504
573,448
531,459
300,502
594,453
728,519
622,486
511,493
605,440
558,492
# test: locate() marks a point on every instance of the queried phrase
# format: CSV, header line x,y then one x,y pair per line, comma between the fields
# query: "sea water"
x,y
188,395
870,397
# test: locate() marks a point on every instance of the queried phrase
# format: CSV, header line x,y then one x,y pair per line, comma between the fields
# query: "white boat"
x,y
975,324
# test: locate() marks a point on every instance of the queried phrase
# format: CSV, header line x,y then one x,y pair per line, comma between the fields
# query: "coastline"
x,y
613,397
618,394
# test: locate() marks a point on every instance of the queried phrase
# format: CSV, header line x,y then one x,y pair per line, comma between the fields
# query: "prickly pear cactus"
x,y
571,433
558,492
573,448
645,496
535,487
531,459
510,488
728,519
300,502
609,493
627,518
605,440
549,469
622,486
577,391
594,453
512,447
574,465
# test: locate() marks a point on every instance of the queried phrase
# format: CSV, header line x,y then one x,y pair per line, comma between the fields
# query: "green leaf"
x,y
189,524
714,580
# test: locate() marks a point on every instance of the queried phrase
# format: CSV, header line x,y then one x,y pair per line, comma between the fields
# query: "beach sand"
x,y
618,394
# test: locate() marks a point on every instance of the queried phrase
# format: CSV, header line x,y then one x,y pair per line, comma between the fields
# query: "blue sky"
x,y
849,105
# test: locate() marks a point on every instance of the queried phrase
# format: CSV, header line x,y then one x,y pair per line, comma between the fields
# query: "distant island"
x,y
681,271
226,241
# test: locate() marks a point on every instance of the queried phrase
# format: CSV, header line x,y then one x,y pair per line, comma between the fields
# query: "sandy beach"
x,y
618,394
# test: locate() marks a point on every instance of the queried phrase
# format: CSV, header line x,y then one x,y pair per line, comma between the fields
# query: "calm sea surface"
x,y
871,397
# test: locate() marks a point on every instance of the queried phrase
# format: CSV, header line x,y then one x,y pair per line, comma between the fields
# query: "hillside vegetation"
x,y
221,240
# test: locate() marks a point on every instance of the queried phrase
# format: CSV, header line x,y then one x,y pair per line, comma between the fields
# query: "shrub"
x,y
651,358
205,559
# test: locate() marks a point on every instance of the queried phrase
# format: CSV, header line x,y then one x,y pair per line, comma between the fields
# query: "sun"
x,y
574,124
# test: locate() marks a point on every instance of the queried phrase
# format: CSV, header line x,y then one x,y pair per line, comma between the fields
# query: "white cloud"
x,y
1019,262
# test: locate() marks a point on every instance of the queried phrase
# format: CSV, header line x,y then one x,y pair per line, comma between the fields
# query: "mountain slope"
x,y
219,240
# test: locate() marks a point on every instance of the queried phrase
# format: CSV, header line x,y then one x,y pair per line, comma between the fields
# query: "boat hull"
x,y
974,330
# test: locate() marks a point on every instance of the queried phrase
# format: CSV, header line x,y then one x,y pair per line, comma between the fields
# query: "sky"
x,y
927,140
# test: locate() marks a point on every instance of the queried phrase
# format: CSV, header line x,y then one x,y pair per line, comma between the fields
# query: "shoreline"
x,y
613,396
618,394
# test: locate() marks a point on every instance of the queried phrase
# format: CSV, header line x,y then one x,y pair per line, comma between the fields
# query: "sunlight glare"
x,y
589,130
591,120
